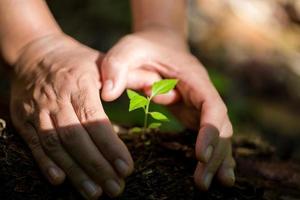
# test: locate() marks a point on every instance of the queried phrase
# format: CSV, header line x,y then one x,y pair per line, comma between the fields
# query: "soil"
x,y
164,165
164,162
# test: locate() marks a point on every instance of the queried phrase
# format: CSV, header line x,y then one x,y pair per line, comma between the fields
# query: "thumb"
x,y
114,77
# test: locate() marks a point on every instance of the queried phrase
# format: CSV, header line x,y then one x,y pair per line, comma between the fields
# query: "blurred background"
x,y
251,49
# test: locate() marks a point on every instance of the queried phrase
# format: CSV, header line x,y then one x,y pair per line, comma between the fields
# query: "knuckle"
x,y
51,142
111,60
212,167
29,134
78,100
227,129
102,168
45,63
64,82
88,113
48,92
192,60
230,129
72,169
34,142
221,108
97,166
224,109
84,80
71,74
43,96
68,134
36,94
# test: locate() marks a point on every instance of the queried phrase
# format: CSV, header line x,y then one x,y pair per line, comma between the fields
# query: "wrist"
x,y
12,50
163,35
164,28
35,51
163,14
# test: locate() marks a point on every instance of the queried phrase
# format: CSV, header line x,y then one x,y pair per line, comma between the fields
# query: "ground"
x,y
164,165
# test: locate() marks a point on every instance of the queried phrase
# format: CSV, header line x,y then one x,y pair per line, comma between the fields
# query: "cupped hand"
x,y
56,107
142,58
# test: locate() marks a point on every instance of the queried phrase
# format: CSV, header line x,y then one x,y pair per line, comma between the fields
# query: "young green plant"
x,y
138,101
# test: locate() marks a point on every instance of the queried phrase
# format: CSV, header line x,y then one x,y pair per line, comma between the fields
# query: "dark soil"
x,y
164,165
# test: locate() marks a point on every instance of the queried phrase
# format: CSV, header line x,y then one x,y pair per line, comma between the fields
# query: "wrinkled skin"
x,y
56,107
55,100
144,57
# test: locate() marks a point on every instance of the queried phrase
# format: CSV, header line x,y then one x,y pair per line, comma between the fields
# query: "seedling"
x,y
138,101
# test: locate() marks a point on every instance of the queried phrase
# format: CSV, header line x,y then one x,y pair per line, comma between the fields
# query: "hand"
x,y
139,59
56,107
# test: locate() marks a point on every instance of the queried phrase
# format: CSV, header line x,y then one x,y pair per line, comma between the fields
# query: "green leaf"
x,y
154,125
132,94
136,130
158,116
136,100
163,86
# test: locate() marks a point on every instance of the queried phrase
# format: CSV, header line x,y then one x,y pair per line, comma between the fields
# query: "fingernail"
x,y
108,85
89,188
53,173
207,180
208,153
112,188
122,167
230,175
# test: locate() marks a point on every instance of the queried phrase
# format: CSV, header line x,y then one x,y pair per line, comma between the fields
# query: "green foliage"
x,y
139,101
154,125
163,86
158,116
136,130
136,100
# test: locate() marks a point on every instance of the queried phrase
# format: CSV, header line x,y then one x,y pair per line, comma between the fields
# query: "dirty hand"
x,y
144,57
56,107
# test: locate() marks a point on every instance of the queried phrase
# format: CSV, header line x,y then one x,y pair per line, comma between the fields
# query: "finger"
x,y
225,173
220,147
51,143
196,88
142,79
206,142
205,171
50,170
114,70
90,112
213,114
79,144
167,99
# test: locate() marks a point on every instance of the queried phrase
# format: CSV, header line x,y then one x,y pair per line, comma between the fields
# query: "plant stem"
x,y
146,116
